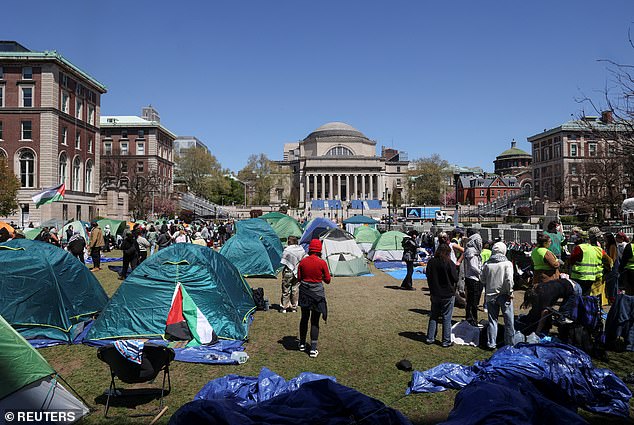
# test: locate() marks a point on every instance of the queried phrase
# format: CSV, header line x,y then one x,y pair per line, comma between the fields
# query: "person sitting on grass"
x,y
442,277
311,272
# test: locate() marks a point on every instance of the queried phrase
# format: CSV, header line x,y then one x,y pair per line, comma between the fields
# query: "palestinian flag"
x,y
50,195
186,322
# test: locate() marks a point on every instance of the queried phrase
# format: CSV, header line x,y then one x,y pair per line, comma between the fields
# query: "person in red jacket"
x,y
311,272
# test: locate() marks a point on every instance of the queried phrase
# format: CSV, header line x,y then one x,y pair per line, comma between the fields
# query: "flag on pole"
x,y
185,321
47,196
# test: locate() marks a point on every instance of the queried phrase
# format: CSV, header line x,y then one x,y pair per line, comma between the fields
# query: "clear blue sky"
x,y
457,78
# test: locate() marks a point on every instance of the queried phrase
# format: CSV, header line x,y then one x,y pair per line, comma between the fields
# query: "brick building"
x,y
137,154
49,131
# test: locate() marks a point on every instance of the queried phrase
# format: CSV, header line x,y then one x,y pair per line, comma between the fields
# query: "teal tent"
x,y
28,381
45,291
140,307
252,255
283,225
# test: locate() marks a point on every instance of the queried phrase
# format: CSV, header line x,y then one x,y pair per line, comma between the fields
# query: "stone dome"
x,y
336,128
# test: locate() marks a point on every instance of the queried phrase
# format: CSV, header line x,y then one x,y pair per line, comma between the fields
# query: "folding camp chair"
x,y
154,359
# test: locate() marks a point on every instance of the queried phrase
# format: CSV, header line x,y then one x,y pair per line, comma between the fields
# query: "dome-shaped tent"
x,y
343,255
45,291
365,237
140,307
388,247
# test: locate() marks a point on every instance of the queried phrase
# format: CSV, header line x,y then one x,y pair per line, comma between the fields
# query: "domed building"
x,y
517,163
336,164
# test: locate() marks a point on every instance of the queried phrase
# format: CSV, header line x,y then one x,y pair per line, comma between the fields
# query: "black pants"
x,y
128,263
313,316
95,253
407,282
473,288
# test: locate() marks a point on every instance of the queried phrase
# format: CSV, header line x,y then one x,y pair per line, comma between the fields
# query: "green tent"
x,y
140,307
252,255
283,225
388,247
45,291
77,226
365,237
343,255
117,227
28,381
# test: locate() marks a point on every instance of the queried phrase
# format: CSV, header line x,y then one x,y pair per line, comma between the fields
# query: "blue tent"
x,y
45,291
315,229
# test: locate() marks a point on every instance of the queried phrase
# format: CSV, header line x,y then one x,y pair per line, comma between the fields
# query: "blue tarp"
x,y
562,373
317,402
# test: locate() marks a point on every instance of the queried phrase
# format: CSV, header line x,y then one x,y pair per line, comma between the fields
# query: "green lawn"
x,y
370,328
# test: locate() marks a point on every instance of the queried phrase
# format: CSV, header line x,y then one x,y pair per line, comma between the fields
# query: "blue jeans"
x,y
442,308
503,303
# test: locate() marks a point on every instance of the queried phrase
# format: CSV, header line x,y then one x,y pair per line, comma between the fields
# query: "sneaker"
x,y
301,347
313,353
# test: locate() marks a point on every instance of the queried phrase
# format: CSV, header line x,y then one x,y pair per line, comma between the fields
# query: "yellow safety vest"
x,y
537,256
588,268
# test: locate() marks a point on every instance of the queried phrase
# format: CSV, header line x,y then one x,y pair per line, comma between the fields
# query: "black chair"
x,y
155,358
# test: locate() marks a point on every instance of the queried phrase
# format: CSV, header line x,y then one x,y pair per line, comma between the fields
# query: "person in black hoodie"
x,y
442,277
130,249
410,254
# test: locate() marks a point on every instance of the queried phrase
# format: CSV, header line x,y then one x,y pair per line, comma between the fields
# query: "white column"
x,y
371,186
347,187
323,186
330,191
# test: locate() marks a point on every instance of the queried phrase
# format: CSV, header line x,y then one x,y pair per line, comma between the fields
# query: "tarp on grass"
x,y
563,373
322,402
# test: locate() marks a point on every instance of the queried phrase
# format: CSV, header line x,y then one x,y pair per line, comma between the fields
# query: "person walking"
x,y
291,257
77,245
545,264
95,244
442,277
472,268
311,272
410,252
497,278
130,249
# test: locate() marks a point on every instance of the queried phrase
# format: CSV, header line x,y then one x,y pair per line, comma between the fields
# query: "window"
x,y
65,102
90,144
339,151
1,96
27,130
78,141
140,148
27,168
573,150
91,115
592,149
63,168
27,73
107,148
573,169
123,148
124,166
78,108
64,136
139,166
76,174
27,97
89,169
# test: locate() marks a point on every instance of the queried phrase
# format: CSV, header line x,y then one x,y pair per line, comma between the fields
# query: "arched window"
x,y
88,186
63,168
77,174
27,168
339,151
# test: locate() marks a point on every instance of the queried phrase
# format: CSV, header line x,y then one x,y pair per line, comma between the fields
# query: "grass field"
x,y
370,328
